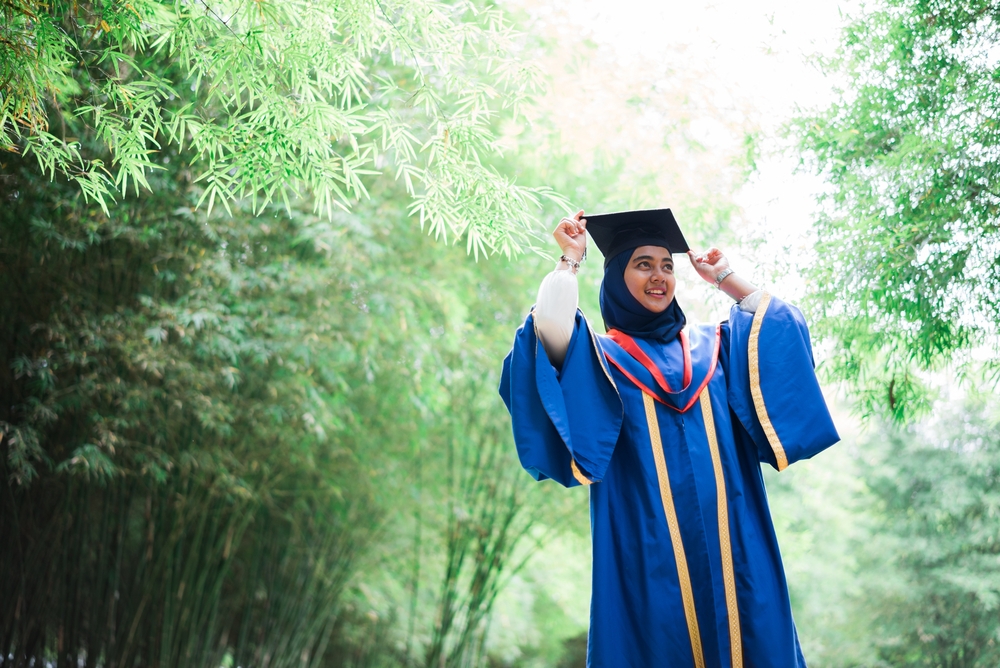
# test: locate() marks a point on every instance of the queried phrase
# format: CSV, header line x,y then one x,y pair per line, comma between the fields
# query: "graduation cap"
x,y
616,232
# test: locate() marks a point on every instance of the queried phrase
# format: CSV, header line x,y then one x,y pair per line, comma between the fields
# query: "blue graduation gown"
x,y
686,564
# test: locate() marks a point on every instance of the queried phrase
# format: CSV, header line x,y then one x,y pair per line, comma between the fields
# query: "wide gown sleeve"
x,y
565,421
773,388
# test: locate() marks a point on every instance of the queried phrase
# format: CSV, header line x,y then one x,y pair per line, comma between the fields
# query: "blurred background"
x,y
261,261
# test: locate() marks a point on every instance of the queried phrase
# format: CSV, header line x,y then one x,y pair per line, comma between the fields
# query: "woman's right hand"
x,y
571,235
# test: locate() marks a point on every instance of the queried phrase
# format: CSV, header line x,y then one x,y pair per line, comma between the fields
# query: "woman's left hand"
x,y
709,264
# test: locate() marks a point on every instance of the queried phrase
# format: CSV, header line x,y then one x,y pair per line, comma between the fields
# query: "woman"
x,y
667,424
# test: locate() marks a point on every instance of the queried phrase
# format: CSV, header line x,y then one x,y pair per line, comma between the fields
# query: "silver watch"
x,y
721,277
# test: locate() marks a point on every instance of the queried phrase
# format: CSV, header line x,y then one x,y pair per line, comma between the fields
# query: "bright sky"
x,y
757,53
757,46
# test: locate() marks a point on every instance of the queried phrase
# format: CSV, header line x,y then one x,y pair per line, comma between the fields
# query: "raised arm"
x,y
714,267
555,308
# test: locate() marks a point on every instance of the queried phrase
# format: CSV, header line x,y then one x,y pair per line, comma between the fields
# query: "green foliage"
x,y
492,510
890,542
279,370
906,276
938,494
906,283
269,101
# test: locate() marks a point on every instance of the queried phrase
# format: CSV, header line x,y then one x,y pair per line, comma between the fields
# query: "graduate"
x,y
668,425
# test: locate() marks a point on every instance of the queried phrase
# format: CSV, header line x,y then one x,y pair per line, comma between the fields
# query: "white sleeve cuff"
x,y
750,303
555,313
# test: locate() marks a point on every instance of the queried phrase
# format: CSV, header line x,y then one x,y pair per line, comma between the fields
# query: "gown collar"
x,y
700,352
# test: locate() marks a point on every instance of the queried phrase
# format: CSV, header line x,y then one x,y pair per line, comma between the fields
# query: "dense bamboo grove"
x,y
206,403
255,287
228,437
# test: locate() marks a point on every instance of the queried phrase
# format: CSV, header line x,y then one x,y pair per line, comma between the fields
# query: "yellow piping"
x,y
753,354
683,576
725,547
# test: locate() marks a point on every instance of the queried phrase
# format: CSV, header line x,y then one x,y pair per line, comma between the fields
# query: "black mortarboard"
x,y
616,232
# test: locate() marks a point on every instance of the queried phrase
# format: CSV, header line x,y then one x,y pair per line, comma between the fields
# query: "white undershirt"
x,y
555,311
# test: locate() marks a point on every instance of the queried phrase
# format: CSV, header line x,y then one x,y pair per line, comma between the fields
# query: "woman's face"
x,y
650,277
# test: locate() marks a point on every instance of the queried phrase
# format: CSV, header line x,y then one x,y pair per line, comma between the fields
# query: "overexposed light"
x,y
755,63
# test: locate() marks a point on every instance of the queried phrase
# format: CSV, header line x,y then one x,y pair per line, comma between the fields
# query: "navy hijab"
x,y
623,312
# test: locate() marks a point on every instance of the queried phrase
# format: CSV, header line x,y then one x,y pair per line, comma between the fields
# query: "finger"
x,y
579,215
583,224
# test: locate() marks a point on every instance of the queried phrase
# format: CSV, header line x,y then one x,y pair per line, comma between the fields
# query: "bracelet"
x,y
721,277
573,264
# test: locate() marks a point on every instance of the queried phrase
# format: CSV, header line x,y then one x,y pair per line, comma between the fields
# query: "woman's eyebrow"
x,y
650,257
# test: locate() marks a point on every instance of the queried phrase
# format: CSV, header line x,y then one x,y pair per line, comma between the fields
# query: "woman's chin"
x,y
656,305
